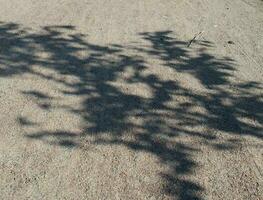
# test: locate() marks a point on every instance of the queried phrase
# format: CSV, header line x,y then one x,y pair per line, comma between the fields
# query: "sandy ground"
x,y
144,99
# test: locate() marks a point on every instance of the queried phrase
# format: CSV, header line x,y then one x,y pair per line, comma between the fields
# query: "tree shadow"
x,y
151,122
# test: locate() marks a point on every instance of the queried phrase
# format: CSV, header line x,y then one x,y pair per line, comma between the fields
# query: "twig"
x,y
192,40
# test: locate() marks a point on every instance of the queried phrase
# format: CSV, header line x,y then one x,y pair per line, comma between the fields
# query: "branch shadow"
x,y
107,109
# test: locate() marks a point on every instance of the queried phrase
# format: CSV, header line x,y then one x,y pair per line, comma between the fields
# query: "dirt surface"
x,y
143,99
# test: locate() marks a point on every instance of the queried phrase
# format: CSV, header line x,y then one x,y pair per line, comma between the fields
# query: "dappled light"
x,y
124,100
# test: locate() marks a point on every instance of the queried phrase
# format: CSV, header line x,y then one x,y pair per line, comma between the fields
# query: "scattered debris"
x,y
230,42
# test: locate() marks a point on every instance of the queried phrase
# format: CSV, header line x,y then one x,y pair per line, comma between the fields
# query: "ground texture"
x,y
119,99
